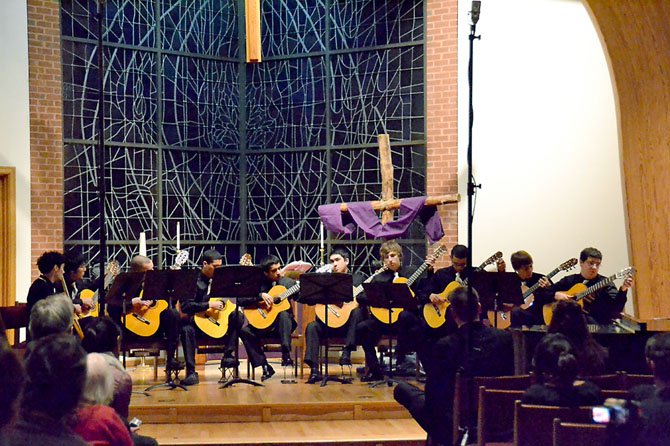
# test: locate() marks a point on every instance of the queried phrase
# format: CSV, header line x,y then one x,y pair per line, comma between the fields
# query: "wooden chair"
x,y
633,380
618,394
571,434
136,346
15,318
533,425
613,381
495,414
466,396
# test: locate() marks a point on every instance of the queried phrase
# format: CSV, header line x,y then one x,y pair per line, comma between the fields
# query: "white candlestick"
x,y
177,236
321,234
143,244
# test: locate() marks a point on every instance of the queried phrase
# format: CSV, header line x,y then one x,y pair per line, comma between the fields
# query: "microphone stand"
x,y
472,186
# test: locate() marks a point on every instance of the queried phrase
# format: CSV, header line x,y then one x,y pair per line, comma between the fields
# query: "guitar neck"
x,y
595,287
417,274
289,292
532,289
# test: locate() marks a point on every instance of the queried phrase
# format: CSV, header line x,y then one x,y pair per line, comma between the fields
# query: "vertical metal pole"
x,y
102,171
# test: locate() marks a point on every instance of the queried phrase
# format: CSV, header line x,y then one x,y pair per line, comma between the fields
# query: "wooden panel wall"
x,y
637,42
7,236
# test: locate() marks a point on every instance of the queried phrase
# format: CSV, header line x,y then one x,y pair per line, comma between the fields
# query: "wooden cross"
x,y
388,202
252,20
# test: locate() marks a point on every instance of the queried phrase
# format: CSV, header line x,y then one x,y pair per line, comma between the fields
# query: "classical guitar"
x,y
213,322
76,327
580,293
382,314
339,315
435,314
503,317
111,271
262,316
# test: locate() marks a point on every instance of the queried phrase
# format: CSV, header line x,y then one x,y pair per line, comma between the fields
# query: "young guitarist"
x,y
211,260
169,318
522,262
406,328
75,269
283,325
605,304
339,259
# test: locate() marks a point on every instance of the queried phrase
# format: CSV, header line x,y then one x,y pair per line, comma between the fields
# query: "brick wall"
x,y
46,124
442,108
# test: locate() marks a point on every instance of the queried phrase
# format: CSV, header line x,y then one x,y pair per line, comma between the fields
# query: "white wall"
x,y
15,126
546,147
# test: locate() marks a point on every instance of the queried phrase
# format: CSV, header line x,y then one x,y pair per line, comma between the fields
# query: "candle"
x,y
321,234
143,244
177,236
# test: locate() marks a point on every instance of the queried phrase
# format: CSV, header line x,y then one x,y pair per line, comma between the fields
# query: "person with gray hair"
x,y
95,421
50,316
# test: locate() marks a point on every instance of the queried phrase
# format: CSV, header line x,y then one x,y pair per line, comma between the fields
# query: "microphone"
x,y
474,13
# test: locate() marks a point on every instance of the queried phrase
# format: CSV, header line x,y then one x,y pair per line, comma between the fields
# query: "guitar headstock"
x,y
494,258
113,268
246,260
180,259
439,251
567,265
626,273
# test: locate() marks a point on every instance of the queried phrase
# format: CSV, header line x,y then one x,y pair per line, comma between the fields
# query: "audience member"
x,y
55,375
555,365
95,421
52,315
475,350
570,321
12,377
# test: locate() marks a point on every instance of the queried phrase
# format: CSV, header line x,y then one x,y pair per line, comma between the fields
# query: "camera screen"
x,y
601,415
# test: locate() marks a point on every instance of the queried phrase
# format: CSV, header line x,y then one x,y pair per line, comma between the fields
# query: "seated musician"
x,y
406,328
169,318
339,258
51,266
608,302
211,260
75,269
474,349
556,369
283,325
522,262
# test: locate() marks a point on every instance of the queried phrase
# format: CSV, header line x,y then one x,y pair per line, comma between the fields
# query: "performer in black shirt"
x,y
607,302
406,328
339,259
522,262
211,259
283,325
51,265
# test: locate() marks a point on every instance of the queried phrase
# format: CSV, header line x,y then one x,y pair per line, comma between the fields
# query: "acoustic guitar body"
x,y
548,309
261,317
144,320
214,323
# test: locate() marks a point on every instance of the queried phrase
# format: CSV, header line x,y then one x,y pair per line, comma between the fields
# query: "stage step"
x,y
331,433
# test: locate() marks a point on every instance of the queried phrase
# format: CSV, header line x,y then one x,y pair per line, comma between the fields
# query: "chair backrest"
x,y
618,394
516,382
571,434
633,380
613,381
533,425
495,414
15,318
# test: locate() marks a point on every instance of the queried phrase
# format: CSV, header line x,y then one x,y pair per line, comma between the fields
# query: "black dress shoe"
x,y
345,357
314,377
268,371
372,376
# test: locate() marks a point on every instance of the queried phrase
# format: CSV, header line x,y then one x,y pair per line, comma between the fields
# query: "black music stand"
x,y
125,287
496,289
235,282
175,285
389,295
326,289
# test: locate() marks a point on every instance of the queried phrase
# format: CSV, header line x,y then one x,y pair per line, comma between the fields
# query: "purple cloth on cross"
x,y
362,215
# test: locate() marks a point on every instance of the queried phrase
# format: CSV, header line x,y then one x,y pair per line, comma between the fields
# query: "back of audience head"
x,y
54,314
99,388
464,306
569,320
56,373
102,336
657,352
12,377
555,362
